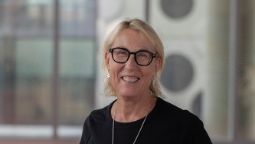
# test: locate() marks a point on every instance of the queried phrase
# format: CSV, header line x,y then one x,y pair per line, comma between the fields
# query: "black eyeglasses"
x,y
142,57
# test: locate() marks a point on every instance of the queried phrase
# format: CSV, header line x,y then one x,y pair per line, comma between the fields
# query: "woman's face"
x,y
130,79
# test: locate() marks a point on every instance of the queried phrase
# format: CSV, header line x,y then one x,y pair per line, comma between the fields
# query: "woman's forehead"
x,y
132,38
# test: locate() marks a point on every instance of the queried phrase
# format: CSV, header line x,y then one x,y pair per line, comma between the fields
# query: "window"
x,y
27,73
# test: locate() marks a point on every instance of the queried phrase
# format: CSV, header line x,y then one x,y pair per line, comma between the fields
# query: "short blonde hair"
x,y
146,30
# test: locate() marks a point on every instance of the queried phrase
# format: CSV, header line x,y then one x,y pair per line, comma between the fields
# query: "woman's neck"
x,y
124,110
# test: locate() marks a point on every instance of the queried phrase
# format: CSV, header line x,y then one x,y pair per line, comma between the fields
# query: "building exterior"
x,y
51,73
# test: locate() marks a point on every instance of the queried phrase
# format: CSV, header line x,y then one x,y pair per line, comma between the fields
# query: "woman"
x,y
134,59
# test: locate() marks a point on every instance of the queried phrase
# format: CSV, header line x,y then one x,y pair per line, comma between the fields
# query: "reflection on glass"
x,y
247,103
77,62
78,17
25,62
216,110
33,81
26,65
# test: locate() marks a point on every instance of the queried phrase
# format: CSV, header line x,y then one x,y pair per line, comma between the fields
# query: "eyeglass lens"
x,y
142,57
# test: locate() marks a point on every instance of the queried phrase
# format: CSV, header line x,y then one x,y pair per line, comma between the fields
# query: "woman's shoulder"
x,y
184,122
174,112
100,114
96,120
179,117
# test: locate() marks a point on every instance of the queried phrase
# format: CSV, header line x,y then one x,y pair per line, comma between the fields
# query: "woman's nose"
x,y
131,61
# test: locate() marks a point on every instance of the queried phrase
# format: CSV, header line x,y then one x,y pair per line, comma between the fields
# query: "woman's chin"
x,y
128,93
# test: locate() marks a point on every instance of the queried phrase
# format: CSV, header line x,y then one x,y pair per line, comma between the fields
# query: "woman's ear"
x,y
158,64
106,60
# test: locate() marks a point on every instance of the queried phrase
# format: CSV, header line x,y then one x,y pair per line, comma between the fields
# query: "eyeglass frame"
x,y
153,55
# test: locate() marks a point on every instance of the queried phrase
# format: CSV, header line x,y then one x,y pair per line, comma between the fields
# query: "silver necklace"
x,y
137,133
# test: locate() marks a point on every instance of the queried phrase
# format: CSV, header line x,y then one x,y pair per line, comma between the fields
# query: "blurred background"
x,y
51,68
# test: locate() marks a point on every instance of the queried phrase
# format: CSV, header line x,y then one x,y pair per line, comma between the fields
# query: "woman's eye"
x,y
121,53
143,55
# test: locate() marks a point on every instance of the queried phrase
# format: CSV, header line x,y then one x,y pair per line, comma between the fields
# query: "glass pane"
x,y
247,107
78,17
216,103
25,68
33,81
77,76
34,17
76,65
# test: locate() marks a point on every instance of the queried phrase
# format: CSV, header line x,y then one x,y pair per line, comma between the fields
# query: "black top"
x,y
165,124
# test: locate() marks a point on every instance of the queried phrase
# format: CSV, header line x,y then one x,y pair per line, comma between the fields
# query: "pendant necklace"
x,y
140,129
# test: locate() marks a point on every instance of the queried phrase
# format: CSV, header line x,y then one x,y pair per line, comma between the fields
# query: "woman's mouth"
x,y
130,79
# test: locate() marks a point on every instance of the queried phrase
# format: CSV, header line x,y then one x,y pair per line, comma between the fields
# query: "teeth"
x,y
130,78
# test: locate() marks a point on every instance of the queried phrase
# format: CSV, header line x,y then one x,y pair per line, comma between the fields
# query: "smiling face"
x,y
129,79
